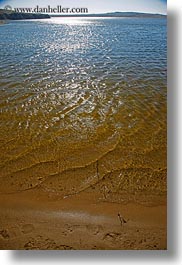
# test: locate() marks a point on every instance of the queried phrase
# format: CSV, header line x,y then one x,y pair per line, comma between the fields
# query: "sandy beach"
x,y
29,221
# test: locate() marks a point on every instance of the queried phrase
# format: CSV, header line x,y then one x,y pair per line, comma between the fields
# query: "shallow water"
x,y
83,106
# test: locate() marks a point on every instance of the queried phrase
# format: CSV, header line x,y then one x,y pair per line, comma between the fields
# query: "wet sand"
x,y
30,221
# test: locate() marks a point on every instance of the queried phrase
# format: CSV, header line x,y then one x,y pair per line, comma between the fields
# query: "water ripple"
x,y
79,83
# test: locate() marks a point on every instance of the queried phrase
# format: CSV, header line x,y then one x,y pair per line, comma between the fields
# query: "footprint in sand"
x,y
43,243
94,229
5,233
27,228
69,228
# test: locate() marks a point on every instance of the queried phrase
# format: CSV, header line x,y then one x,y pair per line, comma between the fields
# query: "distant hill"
x,y
16,16
4,14
114,14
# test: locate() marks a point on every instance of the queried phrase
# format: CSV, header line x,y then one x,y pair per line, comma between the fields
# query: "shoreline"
x,y
83,135
80,223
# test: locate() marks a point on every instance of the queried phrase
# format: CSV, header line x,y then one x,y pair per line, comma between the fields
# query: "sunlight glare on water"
x,y
80,96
